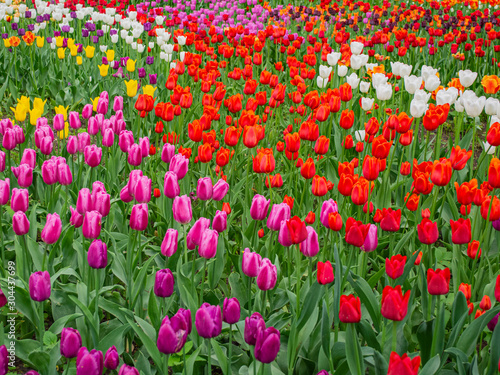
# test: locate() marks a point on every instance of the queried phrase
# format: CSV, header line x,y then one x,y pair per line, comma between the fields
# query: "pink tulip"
x,y
204,189
72,145
220,221
179,164
92,224
167,152
29,157
208,245
171,187
266,279
220,190
108,138
49,172
46,145
92,155
20,223
134,155
87,111
197,230
125,140
144,145
84,201
19,200
64,173
102,106
250,264
58,122
9,139
118,103
52,229
4,191
24,174
76,219
169,243
92,126
139,217
181,208
142,191
74,120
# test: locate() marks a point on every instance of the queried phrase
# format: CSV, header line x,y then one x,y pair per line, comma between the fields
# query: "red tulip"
x,y
395,266
391,220
325,273
460,231
403,365
427,232
356,232
350,309
438,281
394,303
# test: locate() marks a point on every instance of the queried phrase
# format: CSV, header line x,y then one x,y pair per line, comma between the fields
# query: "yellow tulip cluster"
x,y
23,108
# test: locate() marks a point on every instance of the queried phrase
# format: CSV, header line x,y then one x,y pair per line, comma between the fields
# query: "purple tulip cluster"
x,y
174,331
265,340
13,135
91,207
253,265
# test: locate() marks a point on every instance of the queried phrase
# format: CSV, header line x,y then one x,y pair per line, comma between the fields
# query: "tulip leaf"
x,y
115,337
149,344
88,315
154,310
221,355
353,351
192,359
468,338
216,267
140,281
313,296
60,323
40,360
432,366
23,304
367,297
325,330
424,336
115,309
459,308
366,330
495,351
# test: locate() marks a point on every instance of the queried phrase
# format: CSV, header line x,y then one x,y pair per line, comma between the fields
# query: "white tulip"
x,y
168,57
364,87
454,93
114,38
151,45
467,77
444,97
123,33
132,15
342,71
359,135
333,58
395,68
422,96
370,66
168,48
418,108
133,45
405,70
159,20
428,71
324,71
181,39
489,149
367,103
353,80
491,106
358,61
474,107
432,83
129,39
173,65
458,105
356,48
384,92
379,79
494,118
182,55
321,82
103,48
412,84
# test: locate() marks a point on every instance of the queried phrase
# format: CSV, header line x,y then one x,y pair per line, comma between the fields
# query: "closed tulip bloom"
x,y
253,324
102,203
403,365
2,161
266,279
49,172
142,191
395,266
497,289
111,359
196,232
97,256
39,286
76,218
231,310
171,187
279,212
335,221
64,174
71,342
164,283
460,231
350,309
179,164
394,303
181,208
250,264
20,223
220,190
204,189
208,245
427,232
4,360
134,155
84,201
4,191
9,139
220,221
267,345
391,220
172,334
52,229
29,157
139,217
169,243
441,172
494,173
371,239
74,120
259,207
328,206
92,155
19,200
83,141
208,321
325,273
167,152
438,281
89,363
125,140
72,145
92,224
310,246
24,174
108,137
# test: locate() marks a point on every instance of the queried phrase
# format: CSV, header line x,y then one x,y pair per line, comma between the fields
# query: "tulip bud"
x,y
76,219
267,345
142,191
86,111
179,164
208,321
170,241
208,244
52,229
167,152
19,200
72,145
173,332
253,324
89,363
181,208
204,190
250,264
164,283
71,342
220,221
171,187
4,191
260,207
98,254
49,172
279,213
266,279
310,247
231,310
91,224
29,157
64,174
20,223
139,217
111,359
220,190
39,286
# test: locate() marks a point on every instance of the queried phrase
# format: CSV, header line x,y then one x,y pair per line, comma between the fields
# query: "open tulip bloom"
x,y
312,187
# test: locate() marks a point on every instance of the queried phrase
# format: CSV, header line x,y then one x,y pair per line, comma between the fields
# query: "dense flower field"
x,y
245,187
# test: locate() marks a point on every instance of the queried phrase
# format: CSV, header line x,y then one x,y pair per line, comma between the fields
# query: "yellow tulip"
x,y
79,60
19,113
60,110
149,90
40,41
89,51
6,43
110,55
73,50
64,133
39,104
61,53
131,87
131,65
59,41
70,42
24,102
94,103
35,114
103,70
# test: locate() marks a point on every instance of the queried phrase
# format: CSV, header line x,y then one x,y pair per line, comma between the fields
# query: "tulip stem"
x,y
68,361
249,292
165,364
1,243
209,355
394,335
230,349
203,281
297,286
97,288
41,324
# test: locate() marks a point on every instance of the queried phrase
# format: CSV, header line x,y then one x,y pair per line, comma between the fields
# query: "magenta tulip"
x,y
169,243
52,229
181,208
250,264
39,286
164,283
139,217
97,255
171,187
71,342
259,207
266,279
4,191
208,321
179,164
208,245
19,200
20,223
204,189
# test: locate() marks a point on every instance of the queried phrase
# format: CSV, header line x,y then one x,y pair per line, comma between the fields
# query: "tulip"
x,y
328,206
84,201
4,191
97,256
394,303
167,152
49,172
253,325
111,359
72,145
208,321
204,189
76,219
220,221
279,213
266,279
350,309
371,239
181,208
493,323
64,174
102,202
325,273
179,165
134,155
196,232
91,224
220,190
251,263
494,173
356,232
125,140
395,266
52,229
497,289
20,223
39,286
438,281
4,360
164,283
267,345
403,365
208,244
29,157
173,333
231,310
19,200
391,220
2,161
71,342
310,246
169,243
461,231
142,190
171,187
139,217
427,232
89,363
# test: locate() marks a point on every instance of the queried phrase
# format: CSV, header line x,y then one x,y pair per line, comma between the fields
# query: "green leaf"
x,y
495,352
60,323
468,339
367,297
88,315
310,303
115,337
221,355
49,339
459,308
140,281
431,367
149,344
216,267
325,330
353,351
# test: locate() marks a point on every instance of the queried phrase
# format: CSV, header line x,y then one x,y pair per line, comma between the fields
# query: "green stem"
x,y
230,349
394,335
41,324
209,354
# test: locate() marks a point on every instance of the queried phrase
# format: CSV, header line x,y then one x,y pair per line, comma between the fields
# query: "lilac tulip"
x,y
164,283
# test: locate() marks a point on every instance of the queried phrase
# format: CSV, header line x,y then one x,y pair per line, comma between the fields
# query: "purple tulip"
x,y
208,245
186,313
267,345
92,155
74,120
310,247
371,240
208,321
179,164
279,213
139,217
231,310
111,359
253,324
32,372
92,224
266,279
71,342
4,191
259,207
164,283
167,152
173,333
204,189
52,229
4,360
169,243
89,363
496,224
142,191
220,190
24,174
76,219
220,221
29,157
171,187
329,206
39,286
98,254
64,174
19,200
49,172
196,232
250,264
181,208
20,223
